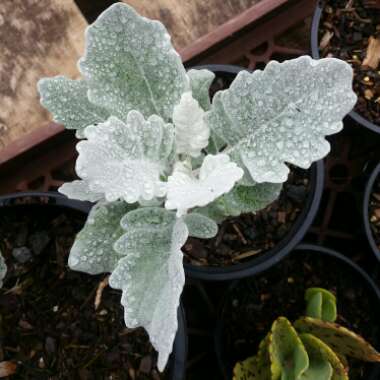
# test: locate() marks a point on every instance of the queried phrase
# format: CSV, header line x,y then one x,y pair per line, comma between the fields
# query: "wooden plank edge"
x,y
230,27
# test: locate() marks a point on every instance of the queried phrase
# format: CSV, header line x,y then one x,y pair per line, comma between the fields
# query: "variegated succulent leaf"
x,y
241,200
200,82
282,114
287,351
92,251
126,160
67,101
320,303
151,274
130,64
319,352
3,269
339,338
200,226
246,370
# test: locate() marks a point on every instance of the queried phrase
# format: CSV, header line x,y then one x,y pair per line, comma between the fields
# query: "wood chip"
x,y
99,292
325,40
7,369
372,58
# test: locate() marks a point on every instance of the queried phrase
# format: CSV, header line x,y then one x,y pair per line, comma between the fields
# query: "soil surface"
x,y
350,30
241,238
374,211
48,322
253,304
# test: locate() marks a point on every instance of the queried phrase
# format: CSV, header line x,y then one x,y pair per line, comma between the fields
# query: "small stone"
x,y
39,241
146,364
22,254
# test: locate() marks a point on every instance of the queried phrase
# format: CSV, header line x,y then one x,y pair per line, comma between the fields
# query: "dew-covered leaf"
x,y
67,100
340,339
130,64
191,131
200,226
125,160
200,82
151,274
287,350
318,351
79,189
321,304
282,114
217,176
3,269
242,199
92,251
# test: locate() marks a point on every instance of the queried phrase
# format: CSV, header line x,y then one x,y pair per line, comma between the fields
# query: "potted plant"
x,y
348,30
162,163
313,347
371,211
57,322
253,304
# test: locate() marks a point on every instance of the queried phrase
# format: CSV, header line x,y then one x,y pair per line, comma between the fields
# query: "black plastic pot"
x,y
366,222
294,236
39,200
362,276
315,54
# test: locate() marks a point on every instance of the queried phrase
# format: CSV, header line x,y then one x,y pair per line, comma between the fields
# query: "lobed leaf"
x,y
217,176
191,131
321,304
340,339
151,274
126,160
320,352
282,114
241,200
200,226
200,82
130,64
79,189
92,251
67,100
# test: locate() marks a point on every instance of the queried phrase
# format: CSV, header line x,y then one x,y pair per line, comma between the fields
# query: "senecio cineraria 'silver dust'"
x,y
163,163
313,348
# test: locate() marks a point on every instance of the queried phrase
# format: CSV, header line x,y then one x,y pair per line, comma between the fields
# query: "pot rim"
x,y
177,366
291,239
375,373
314,42
366,222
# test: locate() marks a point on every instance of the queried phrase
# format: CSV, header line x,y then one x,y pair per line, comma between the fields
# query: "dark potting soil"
x,y
374,211
350,30
256,302
48,322
249,235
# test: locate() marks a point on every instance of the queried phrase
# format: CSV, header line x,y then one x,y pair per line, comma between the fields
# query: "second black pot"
x,y
241,294
366,216
315,54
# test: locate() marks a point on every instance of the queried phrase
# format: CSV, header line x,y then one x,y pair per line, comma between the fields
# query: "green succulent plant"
x,y
312,348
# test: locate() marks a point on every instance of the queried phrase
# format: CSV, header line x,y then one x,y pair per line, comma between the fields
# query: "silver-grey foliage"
x,y
164,163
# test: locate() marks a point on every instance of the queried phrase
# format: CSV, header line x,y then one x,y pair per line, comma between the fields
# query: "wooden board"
x,y
38,38
189,20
